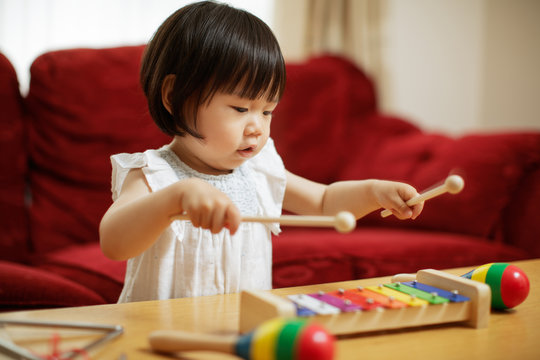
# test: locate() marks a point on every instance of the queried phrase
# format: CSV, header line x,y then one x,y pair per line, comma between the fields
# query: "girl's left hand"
x,y
394,195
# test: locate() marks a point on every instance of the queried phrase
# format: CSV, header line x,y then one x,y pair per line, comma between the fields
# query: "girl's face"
x,y
234,129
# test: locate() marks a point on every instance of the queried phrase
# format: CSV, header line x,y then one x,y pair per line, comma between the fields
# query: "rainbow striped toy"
x,y
509,284
276,339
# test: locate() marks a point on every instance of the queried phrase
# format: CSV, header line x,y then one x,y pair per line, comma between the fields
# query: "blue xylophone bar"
x,y
450,295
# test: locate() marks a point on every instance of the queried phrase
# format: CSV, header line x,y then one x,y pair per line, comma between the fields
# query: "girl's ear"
x,y
166,92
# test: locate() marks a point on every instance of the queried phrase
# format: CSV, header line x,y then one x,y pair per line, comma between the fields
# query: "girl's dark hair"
x,y
209,47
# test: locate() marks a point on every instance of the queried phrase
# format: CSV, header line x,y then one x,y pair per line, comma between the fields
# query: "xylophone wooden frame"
x,y
259,306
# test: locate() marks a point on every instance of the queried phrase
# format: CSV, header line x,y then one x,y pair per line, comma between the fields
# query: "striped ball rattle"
x,y
276,339
509,284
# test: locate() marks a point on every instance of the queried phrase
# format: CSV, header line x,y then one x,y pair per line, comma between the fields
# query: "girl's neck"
x,y
183,152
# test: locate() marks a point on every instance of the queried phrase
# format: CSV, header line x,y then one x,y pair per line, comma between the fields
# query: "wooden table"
x,y
513,334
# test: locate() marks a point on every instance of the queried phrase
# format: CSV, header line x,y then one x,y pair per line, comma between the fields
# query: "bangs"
x,y
253,79
249,63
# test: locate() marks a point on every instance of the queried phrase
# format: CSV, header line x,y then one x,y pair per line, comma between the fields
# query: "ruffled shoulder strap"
x,y
157,171
270,180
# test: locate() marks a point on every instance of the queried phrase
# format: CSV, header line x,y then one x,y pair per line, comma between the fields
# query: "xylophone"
x,y
275,339
433,297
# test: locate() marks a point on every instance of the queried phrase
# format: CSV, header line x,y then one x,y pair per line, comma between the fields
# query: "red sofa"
x,y
85,104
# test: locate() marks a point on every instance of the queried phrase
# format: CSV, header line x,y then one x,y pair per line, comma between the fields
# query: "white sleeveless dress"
x,y
187,261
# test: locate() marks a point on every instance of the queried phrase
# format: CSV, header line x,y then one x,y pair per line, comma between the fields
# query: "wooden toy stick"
x,y
343,222
453,184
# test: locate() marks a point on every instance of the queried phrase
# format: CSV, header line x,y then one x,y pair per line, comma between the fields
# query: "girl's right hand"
x,y
207,207
138,216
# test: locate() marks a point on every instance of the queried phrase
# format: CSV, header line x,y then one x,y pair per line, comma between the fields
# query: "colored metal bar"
x,y
387,302
432,298
344,306
452,296
302,311
320,307
408,299
365,303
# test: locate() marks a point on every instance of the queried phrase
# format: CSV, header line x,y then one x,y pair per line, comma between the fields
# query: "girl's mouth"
x,y
247,152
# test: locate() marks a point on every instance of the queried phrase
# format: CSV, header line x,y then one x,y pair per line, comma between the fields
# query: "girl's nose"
x,y
254,126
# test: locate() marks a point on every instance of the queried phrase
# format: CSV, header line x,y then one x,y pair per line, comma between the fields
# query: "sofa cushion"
x,y
23,287
85,105
13,219
323,99
491,172
303,257
86,265
331,103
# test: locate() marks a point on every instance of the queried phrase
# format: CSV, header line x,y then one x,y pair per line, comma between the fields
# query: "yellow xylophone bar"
x,y
259,306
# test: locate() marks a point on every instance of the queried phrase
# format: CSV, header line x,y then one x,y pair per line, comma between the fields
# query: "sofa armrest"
x,y
13,164
521,227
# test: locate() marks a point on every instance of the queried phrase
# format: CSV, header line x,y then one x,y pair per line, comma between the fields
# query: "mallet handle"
x,y
174,341
292,220
439,190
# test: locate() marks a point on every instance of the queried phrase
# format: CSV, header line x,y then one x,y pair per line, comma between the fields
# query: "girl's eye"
x,y
267,113
240,109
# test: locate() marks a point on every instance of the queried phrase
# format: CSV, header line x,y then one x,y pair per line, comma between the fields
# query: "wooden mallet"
x,y
343,221
453,185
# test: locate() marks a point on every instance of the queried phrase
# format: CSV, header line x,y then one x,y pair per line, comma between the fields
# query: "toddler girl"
x,y
213,75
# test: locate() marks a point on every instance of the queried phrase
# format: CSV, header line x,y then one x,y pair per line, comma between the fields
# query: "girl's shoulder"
x,y
156,169
136,160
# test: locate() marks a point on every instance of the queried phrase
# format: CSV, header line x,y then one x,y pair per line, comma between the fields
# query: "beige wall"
x,y
464,65
452,66
511,81
432,60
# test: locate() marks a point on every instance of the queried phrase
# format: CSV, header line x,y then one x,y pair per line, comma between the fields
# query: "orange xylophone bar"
x,y
375,308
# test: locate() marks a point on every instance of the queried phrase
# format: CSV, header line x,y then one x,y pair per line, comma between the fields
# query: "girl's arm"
x,y
361,197
137,218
